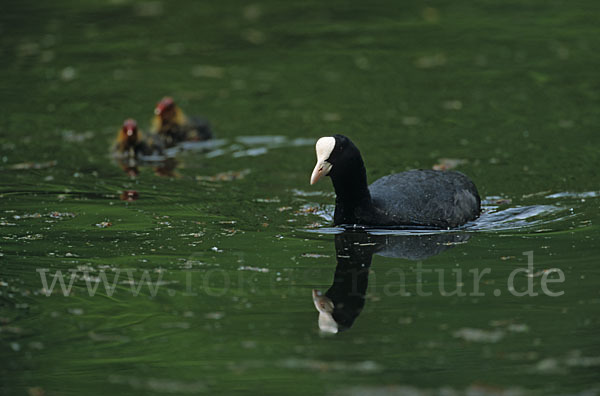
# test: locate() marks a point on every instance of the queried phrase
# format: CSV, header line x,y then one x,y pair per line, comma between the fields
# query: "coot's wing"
x,y
435,198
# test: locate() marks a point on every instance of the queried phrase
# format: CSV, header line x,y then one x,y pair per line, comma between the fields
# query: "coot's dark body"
x,y
442,199
428,198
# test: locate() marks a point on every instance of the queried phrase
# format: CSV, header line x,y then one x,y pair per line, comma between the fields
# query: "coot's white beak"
x,y
324,147
321,169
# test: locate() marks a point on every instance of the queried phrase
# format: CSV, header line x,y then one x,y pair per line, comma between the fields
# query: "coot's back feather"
x,y
425,197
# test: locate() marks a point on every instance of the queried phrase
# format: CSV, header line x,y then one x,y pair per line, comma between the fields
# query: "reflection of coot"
x,y
345,299
416,247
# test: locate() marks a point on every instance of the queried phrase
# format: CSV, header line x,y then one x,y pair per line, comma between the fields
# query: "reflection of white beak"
x,y
321,169
322,302
325,307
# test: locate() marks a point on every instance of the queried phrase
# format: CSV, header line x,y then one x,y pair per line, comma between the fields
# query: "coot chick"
x,y
173,126
130,142
422,198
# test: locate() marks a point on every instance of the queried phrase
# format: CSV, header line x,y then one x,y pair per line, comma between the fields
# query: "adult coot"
x,y
423,198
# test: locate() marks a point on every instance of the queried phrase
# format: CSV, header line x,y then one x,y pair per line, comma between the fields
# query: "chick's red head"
x,y
129,131
165,108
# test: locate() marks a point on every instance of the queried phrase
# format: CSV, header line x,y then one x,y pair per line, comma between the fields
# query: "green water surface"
x,y
511,88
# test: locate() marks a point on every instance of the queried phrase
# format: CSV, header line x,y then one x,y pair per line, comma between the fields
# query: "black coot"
x,y
423,198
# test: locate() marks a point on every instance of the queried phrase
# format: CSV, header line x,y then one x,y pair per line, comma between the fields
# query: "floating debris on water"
x,y
587,194
308,209
215,315
33,165
59,215
560,365
323,211
449,163
431,61
69,73
225,176
27,216
541,272
31,237
503,201
549,366
255,269
302,193
228,232
452,105
314,255
267,200
193,234
518,328
479,335
104,224
322,366
253,152
74,137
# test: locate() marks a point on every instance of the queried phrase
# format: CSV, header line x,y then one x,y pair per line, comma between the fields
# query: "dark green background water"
x,y
510,87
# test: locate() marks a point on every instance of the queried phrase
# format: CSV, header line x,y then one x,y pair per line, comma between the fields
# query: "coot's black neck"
x,y
351,190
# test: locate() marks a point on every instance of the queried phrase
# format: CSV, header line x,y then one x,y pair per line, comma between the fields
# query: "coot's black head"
x,y
335,155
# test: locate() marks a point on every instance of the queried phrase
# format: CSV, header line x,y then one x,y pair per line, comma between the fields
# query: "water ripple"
x,y
527,218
